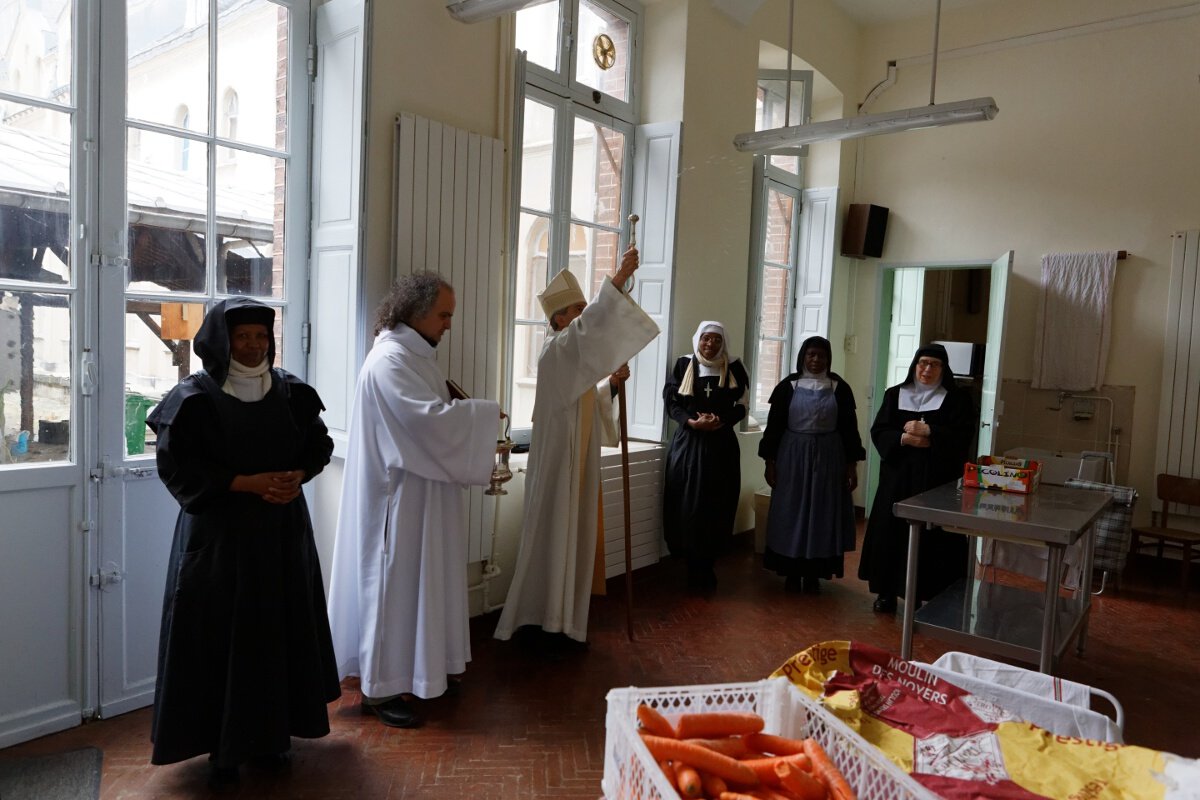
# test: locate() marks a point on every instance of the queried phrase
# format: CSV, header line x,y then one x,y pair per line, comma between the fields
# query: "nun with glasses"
x,y
923,433
811,447
705,394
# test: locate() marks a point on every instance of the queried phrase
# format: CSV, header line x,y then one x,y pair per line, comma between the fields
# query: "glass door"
x,y
201,122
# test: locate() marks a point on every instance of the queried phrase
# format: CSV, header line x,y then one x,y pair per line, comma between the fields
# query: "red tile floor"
x,y
531,725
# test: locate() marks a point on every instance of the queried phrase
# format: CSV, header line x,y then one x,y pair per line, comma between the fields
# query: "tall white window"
x,y
775,221
573,162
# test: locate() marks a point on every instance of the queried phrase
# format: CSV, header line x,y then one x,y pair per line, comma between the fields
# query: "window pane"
x,y
773,111
776,296
596,173
537,34
37,49
167,189
533,252
603,58
593,256
537,156
768,371
250,205
527,346
777,247
158,354
35,208
35,377
252,46
167,79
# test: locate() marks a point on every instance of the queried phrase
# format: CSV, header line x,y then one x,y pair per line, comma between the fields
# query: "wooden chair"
x,y
1171,489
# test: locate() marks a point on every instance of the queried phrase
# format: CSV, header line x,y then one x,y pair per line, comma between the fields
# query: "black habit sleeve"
x,y
777,416
676,406
737,412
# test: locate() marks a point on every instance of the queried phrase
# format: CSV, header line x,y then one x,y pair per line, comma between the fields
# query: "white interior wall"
x,y
1093,149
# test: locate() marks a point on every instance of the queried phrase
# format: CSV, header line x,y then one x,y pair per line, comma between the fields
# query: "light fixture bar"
x,y
931,116
477,10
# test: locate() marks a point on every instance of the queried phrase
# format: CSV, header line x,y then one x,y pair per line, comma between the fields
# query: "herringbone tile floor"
x,y
530,724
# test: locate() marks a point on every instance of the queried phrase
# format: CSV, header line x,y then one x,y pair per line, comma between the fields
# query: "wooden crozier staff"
x,y
633,220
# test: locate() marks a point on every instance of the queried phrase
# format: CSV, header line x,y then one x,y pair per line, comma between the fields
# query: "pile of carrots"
x,y
726,756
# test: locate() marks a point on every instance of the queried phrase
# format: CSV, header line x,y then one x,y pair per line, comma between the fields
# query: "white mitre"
x,y
562,291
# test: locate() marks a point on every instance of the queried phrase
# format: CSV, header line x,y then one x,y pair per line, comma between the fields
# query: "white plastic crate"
x,y
630,771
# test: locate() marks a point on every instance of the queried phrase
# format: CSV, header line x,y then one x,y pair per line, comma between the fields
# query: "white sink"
x,y
1058,467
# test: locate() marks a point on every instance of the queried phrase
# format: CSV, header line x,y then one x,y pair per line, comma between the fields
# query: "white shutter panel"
x,y
655,188
334,282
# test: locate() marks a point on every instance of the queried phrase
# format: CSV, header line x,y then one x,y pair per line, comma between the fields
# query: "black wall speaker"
x,y
862,235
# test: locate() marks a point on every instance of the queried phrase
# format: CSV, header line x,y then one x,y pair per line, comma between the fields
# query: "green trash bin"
x,y
136,406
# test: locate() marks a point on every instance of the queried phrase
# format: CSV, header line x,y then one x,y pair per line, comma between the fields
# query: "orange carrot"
x,y
669,771
688,780
712,785
824,768
764,768
713,724
775,745
735,796
654,722
799,782
732,746
701,758
767,793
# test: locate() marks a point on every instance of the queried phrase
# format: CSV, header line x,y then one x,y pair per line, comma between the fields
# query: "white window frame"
x,y
768,176
571,100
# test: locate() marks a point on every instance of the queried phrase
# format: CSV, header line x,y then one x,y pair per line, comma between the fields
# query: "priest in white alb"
x,y
398,590
584,354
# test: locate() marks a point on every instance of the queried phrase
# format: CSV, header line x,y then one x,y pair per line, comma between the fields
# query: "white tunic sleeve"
x,y
611,330
404,409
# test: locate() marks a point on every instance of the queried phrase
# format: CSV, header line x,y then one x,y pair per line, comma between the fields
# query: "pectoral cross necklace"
x,y
708,390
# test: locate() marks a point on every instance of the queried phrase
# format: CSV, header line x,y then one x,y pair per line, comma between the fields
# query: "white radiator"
x,y
1178,449
645,506
449,219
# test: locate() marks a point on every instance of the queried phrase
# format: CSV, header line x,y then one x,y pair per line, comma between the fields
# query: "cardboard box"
x,y
1007,474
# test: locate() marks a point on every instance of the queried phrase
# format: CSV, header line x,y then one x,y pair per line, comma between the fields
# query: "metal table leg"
x,y
1053,568
910,589
1085,598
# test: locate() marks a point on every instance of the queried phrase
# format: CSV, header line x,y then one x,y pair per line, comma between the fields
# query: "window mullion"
x,y
560,201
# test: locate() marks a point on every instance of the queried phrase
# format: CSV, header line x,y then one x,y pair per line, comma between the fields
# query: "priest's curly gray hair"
x,y
411,297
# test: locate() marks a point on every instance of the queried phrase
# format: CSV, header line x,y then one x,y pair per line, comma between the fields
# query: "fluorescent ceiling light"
x,y
931,116
476,10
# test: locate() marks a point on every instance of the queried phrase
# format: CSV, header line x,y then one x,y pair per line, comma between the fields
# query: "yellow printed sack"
x,y
964,747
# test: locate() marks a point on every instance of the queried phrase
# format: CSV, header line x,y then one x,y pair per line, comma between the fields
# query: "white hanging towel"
x,y
1073,321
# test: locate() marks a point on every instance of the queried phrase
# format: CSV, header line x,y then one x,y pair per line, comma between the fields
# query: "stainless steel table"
x,y
1003,619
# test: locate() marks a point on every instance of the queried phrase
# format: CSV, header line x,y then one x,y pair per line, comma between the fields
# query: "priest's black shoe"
x,y
885,605
395,713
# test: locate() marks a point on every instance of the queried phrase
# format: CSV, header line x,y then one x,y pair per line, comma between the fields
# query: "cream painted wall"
x,y
1093,149
426,63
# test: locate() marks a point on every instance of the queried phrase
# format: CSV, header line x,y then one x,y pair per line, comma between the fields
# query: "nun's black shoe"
x,y
222,777
272,762
793,583
812,585
885,605
395,713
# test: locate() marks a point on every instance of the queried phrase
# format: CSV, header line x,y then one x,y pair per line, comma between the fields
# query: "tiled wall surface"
x,y
1036,418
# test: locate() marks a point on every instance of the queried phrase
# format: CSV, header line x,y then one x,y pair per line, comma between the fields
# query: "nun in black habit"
x,y
923,433
706,394
245,657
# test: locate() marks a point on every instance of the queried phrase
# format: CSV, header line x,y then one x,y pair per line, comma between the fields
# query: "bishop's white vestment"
x,y
551,585
398,590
